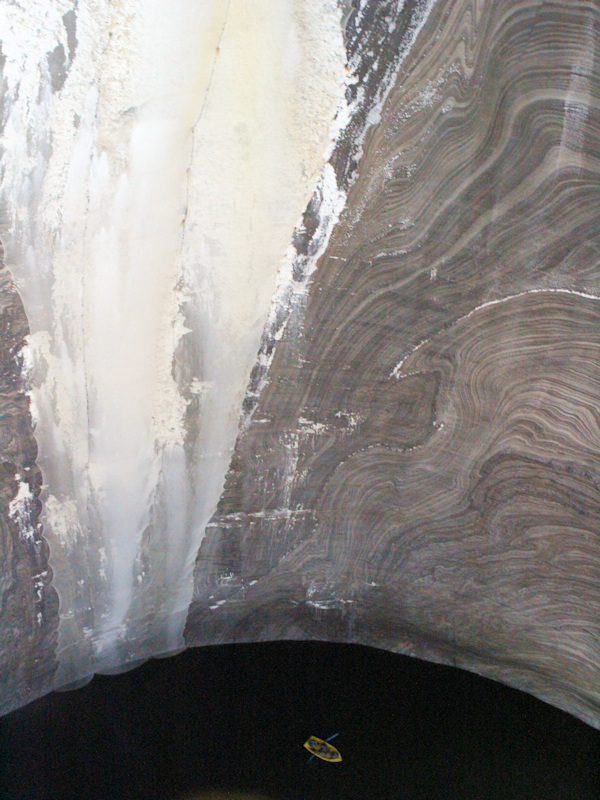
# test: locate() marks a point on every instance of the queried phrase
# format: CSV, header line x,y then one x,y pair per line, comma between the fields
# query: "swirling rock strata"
x,y
420,470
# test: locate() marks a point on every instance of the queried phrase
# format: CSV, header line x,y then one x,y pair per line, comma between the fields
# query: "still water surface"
x,y
229,723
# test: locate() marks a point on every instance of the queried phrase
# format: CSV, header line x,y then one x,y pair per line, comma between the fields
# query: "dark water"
x,y
235,718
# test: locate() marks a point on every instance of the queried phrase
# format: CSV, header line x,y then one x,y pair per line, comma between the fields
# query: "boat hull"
x,y
322,749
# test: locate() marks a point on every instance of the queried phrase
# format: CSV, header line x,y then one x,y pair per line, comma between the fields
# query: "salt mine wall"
x,y
155,161
362,238
418,467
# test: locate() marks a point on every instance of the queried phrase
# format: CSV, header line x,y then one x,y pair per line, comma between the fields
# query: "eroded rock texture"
x,y
421,468
154,160
28,603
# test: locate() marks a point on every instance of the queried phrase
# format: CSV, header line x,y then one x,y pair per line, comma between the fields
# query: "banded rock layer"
x,y
420,470
153,164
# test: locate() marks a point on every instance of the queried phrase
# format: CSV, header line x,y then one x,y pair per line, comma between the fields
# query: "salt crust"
x,y
152,198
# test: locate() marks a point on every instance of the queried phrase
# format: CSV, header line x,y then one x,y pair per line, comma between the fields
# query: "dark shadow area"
x,y
235,717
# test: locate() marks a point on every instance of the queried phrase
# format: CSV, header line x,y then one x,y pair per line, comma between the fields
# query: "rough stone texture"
x,y
417,467
28,603
154,160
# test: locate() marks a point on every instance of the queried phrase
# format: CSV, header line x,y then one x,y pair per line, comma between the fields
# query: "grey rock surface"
x,y
28,602
420,469
417,465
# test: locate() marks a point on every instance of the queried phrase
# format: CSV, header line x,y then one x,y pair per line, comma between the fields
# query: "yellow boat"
x,y
322,749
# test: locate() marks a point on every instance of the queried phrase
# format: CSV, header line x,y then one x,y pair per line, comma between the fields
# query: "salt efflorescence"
x,y
156,158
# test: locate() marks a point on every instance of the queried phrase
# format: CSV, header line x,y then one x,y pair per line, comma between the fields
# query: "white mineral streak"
x,y
149,195
19,510
291,292
397,372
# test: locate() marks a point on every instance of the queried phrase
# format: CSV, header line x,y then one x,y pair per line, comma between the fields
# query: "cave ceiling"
x,y
413,460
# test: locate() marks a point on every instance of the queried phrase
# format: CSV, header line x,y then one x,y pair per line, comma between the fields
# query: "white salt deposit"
x,y
19,511
149,202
